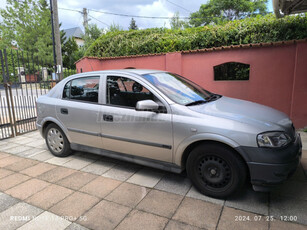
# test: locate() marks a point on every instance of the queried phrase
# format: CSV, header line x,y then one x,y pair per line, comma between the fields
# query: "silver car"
x,y
162,120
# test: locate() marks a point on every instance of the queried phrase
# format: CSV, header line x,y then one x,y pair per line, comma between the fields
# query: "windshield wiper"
x,y
196,102
213,97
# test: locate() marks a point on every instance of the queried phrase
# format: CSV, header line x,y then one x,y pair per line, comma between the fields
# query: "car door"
x,y
79,110
140,133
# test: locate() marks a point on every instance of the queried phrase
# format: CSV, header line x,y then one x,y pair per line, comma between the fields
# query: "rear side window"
x,y
82,89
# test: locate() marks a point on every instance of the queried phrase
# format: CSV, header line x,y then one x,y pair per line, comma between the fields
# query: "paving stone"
x,y
38,169
295,189
30,152
26,140
75,226
5,172
17,215
4,142
78,163
101,186
8,146
288,206
282,225
299,174
122,172
18,149
9,160
49,196
304,166
42,156
237,219
194,193
175,225
12,180
198,213
59,160
21,165
76,180
146,177
3,155
160,203
6,201
249,200
174,183
128,194
138,220
105,215
46,221
26,189
36,143
56,174
98,167
74,205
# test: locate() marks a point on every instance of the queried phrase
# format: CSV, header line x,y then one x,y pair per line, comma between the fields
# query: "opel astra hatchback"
x,y
162,120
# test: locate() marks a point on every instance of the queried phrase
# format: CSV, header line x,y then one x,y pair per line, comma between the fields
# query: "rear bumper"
x,y
278,166
40,129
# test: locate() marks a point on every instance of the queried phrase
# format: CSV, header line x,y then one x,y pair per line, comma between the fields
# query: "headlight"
x,y
273,139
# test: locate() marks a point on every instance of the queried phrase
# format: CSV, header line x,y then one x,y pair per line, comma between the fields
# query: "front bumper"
x,y
270,167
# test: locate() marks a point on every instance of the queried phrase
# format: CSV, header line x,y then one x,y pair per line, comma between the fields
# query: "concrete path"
x,y
86,191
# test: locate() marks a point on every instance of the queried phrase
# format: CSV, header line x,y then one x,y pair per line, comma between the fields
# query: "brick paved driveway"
x,y
86,191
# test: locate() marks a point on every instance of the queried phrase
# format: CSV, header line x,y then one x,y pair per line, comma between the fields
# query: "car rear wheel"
x,y
215,170
56,141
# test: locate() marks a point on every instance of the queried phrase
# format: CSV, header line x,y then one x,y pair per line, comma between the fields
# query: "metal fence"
x,y
23,78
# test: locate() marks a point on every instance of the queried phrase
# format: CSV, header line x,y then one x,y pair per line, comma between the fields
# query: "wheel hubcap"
x,y
214,172
55,140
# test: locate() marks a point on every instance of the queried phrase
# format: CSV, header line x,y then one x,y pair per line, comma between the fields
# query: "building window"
x,y
231,71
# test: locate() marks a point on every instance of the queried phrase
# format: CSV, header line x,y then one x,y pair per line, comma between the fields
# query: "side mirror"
x,y
146,105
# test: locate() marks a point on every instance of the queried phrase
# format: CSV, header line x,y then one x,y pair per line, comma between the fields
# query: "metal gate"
x,y
23,78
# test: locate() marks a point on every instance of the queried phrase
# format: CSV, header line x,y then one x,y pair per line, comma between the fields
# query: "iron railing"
x,y
23,78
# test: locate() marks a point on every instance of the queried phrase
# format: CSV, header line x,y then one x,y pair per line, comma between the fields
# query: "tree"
x,y
92,32
71,54
133,25
217,11
176,23
115,27
27,24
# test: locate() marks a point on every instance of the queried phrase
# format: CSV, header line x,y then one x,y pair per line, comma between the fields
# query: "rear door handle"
x,y
64,111
108,118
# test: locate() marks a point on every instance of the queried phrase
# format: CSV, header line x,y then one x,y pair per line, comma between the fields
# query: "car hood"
x,y
245,112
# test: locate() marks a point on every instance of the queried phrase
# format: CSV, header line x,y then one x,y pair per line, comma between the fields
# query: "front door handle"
x,y
108,118
64,111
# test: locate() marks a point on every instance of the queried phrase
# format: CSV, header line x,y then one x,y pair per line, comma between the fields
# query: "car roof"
x,y
118,71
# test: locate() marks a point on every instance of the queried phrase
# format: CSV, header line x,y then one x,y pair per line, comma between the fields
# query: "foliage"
x,y
92,32
27,25
217,11
133,25
176,23
70,53
249,30
115,27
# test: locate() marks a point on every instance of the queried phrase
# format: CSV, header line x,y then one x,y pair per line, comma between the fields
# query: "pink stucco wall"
x,y
278,74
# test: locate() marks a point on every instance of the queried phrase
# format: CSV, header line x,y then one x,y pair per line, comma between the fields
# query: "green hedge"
x,y
157,40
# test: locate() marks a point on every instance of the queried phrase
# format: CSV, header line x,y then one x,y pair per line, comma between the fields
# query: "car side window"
x,y
126,92
82,89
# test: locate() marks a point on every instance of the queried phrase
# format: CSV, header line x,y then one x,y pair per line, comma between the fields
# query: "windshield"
x,y
178,89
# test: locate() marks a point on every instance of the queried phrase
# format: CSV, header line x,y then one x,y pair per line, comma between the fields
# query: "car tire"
x,y
216,170
56,141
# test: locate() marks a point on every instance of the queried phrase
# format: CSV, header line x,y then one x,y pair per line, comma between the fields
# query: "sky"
x,y
153,8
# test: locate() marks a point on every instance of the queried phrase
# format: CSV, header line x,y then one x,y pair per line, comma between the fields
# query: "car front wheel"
x,y
56,141
215,170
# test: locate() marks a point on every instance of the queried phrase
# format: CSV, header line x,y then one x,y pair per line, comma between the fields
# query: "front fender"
x,y
203,137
